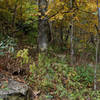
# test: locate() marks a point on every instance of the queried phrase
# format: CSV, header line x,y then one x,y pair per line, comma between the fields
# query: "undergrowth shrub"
x,y
56,78
24,55
7,45
85,75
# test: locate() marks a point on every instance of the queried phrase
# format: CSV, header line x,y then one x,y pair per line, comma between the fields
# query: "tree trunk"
x,y
61,35
21,6
14,14
14,17
71,38
43,25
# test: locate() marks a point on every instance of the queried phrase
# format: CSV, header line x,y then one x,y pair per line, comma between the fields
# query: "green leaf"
x,y
95,13
2,53
49,96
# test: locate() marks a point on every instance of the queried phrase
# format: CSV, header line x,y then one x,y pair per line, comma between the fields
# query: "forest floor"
x,y
10,66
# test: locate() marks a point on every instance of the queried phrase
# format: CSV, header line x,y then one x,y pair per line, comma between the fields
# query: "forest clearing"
x,y
49,49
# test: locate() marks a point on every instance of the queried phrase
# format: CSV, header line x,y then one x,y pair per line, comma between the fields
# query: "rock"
x,y
13,90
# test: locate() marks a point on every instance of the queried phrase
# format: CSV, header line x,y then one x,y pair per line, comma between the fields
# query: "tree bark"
x,y
43,26
71,37
14,14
